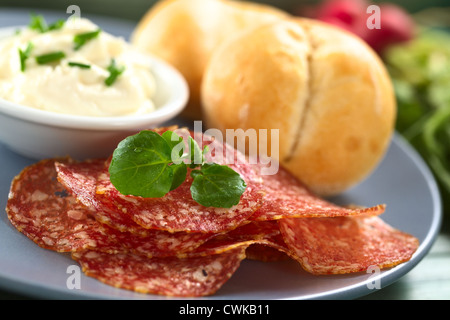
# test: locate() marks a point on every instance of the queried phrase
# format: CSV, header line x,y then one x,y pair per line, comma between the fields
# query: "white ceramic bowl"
x,y
42,134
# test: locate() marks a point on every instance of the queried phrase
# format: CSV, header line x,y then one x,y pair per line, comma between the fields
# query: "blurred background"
x,y
415,46
414,43
134,9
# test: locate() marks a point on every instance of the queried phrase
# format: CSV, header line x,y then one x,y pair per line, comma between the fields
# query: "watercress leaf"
x,y
176,143
179,174
217,186
195,173
204,153
196,155
140,166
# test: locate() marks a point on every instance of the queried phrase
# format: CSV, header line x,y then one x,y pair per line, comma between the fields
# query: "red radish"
x,y
396,25
347,14
347,11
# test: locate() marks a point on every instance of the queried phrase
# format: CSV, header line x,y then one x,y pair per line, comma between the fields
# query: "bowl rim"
x,y
177,101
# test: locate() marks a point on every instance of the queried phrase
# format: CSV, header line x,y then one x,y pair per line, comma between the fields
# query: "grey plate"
x,y
402,181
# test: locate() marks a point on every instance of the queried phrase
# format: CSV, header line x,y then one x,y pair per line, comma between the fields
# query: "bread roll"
x,y
186,32
325,90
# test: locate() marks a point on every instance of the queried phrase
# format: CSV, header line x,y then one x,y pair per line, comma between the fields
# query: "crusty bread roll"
x,y
325,90
186,32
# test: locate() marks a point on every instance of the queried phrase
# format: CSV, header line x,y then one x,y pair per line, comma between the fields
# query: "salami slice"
x,y
81,178
174,212
177,211
171,276
286,197
261,232
265,253
45,212
156,243
176,247
346,244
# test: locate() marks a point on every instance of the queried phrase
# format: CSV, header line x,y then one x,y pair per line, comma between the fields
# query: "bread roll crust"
x,y
326,90
350,113
186,32
259,83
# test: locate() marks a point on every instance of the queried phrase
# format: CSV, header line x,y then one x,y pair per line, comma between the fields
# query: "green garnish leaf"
x,y
38,23
56,25
50,57
82,38
114,72
179,168
196,155
24,55
140,166
151,165
217,186
79,65
179,175
177,145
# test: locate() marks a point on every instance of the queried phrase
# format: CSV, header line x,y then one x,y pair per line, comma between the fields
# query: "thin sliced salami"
x,y
45,212
81,179
171,276
173,246
156,243
261,232
174,212
39,207
346,244
286,197
265,253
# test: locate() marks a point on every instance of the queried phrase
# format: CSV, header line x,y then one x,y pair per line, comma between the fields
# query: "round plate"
x,y
402,181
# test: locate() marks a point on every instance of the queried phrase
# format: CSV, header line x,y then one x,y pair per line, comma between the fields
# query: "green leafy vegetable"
x,y
151,165
50,57
195,152
420,71
178,166
79,65
141,165
217,186
56,25
38,23
114,72
82,38
24,55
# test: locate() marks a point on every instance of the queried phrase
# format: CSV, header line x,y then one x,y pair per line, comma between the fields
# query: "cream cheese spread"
x,y
76,82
